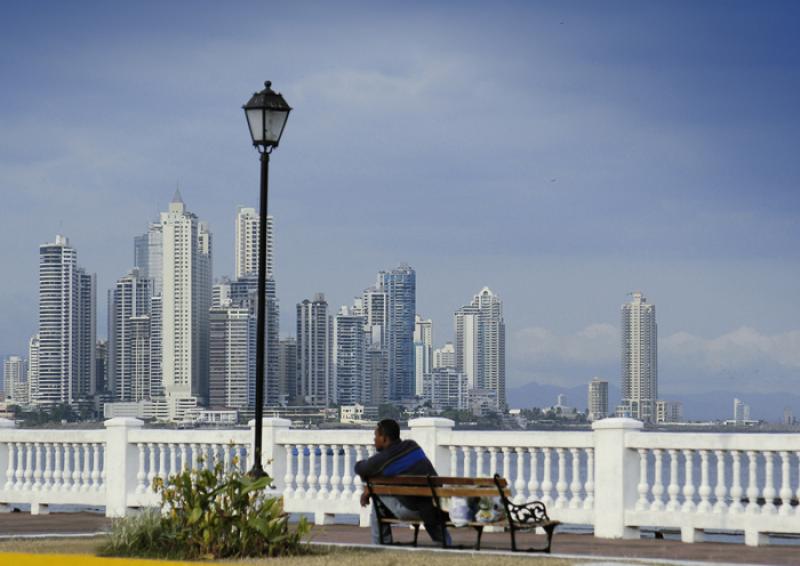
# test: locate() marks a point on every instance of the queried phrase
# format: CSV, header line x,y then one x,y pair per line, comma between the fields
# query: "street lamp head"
x,y
266,114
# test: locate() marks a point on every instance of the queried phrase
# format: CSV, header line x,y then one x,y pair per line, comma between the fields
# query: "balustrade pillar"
x,y
120,464
616,470
273,455
433,436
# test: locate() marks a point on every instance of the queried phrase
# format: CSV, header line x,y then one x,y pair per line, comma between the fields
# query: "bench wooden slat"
x,y
436,480
440,491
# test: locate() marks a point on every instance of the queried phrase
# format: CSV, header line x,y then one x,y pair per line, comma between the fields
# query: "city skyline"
x,y
704,207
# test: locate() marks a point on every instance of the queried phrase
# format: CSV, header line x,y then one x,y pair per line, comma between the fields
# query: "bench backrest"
x,y
438,486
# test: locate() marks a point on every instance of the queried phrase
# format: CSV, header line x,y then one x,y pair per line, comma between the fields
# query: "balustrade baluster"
x,y
720,490
300,477
752,482
193,463
479,461
688,481
86,476
37,470
173,459
358,485
227,453
519,484
657,491
184,456
588,503
162,461
96,466
786,486
19,473
58,471
323,472
507,465
205,459
152,464
736,484
11,451
705,489
797,496
311,493
347,477
674,489
769,484
561,485
453,461
335,472
467,451
28,467
48,467
288,491
547,484
533,478
76,467
492,461
642,487
141,476
575,487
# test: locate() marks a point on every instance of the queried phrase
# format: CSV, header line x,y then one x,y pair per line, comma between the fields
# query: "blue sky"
x,y
563,154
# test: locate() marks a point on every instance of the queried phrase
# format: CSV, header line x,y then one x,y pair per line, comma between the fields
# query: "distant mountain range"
x,y
699,406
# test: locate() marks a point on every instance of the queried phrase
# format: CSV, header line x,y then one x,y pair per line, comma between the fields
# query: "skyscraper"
x,y
232,357
598,399
287,370
400,286
33,367
481,344
67,314
186,299
314,351
349,358
639,359
129,344
423,352
246,251
15,382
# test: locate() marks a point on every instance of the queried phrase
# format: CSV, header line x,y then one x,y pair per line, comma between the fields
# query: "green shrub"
x,y
210,513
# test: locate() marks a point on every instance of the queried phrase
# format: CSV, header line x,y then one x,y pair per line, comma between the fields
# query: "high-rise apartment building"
x,y
639,359
423,352
314,351
349,358
232,357
598,399
246,250
186,300
669,411
446,388
67,315
400,287
15,382
130,338
101,366
481,344
445,357
287,370
33,367
148,255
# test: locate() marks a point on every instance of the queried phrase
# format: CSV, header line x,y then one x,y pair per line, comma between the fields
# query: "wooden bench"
x,y
517,518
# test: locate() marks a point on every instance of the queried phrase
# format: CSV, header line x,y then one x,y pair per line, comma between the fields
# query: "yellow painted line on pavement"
x,y
18,559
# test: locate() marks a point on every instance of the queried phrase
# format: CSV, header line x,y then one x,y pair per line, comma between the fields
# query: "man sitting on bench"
x,y
395,457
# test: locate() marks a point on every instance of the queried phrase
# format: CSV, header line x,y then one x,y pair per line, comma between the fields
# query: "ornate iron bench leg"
x,y
480,534
549,529
416,533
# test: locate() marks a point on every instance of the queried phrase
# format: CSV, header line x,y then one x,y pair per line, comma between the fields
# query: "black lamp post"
x,y
266,114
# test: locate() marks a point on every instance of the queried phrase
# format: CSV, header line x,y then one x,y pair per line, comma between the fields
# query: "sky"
x,y
562,153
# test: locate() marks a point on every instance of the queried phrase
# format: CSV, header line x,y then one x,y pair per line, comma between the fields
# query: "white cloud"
x,y
595,344
743,347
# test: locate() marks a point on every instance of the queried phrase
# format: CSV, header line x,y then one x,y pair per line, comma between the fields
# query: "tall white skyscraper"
x,y
15,382
314,351
481,344
67,333
186,299
232,357
639,359
246,245
349,358
423,352
598,399
130,338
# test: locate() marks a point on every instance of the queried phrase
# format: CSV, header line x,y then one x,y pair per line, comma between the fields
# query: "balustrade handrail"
x,y
710,441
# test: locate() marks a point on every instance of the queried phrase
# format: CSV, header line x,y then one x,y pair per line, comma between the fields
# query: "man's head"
x,y
386,433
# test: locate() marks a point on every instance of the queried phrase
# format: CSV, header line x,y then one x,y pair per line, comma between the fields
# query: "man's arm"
x,y
372,466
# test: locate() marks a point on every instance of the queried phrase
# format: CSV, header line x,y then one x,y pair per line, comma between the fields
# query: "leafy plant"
x,y
211,513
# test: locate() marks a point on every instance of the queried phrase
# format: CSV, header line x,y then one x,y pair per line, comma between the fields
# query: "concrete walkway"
x,y
25,525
